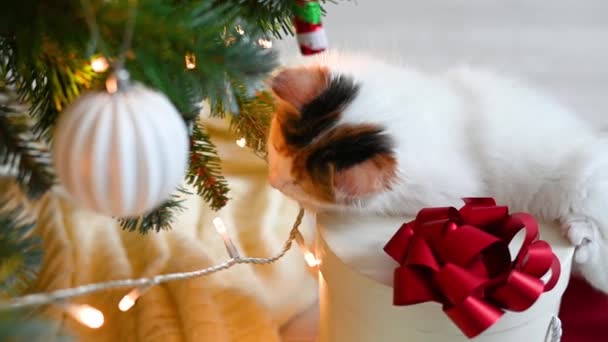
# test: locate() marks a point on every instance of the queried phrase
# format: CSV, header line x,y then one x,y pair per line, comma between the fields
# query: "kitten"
x,y
359,134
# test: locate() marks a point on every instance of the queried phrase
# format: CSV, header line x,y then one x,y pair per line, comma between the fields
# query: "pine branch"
x,y
204,171
222,53
20,251
253,120
48,81
19,150
158,219
21,257
273,16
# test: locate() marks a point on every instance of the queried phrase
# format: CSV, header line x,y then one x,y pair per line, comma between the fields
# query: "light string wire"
x,y
96,38
128,35
59,296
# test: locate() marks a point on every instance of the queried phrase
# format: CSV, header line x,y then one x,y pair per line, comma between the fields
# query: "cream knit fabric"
x,y
245,303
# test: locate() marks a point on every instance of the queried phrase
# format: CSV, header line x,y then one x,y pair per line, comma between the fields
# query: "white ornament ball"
x,y
121,153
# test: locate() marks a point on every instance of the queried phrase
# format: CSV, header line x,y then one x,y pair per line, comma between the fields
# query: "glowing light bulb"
x,y
190,61
311,260
309,257
129,300
126,302
100,64
241,142
86,314
265,43
220,227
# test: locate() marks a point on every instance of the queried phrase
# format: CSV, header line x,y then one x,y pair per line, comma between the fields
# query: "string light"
x,y
221,229
128,301
241,142
85,314
265,43
311,260
93,318
190,61
99,64
309,257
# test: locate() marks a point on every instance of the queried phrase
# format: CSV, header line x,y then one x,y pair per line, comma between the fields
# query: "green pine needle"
x,y
205,172
253,120
44,78
20,251
21,151
273,16
158,219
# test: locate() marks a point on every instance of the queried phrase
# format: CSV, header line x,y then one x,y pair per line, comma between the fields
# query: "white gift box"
x,y
356,293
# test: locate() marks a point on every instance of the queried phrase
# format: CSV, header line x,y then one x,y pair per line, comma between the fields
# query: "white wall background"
x,y
561,45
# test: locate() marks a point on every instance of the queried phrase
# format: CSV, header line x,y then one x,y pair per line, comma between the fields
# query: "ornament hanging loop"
x,y
128,36
118,80
96,39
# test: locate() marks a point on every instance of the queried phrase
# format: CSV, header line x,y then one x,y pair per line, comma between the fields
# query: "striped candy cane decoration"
x,y
309,28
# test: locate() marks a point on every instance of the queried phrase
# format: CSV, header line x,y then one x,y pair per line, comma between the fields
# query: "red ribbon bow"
x,y
461,259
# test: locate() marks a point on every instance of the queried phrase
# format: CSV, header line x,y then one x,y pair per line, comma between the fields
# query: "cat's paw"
x,y
584,234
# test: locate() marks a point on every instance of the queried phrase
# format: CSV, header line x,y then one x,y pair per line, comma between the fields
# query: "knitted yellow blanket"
x,y
245,303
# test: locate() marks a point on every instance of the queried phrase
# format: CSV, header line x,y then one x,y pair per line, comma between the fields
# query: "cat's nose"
x,y
276,180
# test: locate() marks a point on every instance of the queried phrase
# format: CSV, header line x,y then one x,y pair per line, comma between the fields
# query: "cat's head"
x,y
317,156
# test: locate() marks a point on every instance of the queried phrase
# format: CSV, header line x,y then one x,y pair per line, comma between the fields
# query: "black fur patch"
x,y
350,150
322,112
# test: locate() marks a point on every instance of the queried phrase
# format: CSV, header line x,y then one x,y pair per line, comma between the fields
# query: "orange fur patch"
x,y
371,176
298,86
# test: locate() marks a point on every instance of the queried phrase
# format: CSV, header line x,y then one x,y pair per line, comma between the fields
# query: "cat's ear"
x,y
368,177
300,85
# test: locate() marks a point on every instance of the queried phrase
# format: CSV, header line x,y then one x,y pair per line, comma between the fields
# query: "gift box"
x,y
358,296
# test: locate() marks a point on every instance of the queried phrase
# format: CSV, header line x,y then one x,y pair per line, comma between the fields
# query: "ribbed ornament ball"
x,y
122,153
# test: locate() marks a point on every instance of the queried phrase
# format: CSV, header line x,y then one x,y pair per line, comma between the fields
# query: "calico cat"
x,y
355,133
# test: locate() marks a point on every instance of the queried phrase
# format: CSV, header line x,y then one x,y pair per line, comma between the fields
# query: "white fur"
x,y
468,133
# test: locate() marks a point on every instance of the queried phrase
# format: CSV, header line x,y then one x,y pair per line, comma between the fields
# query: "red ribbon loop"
x,y
462,259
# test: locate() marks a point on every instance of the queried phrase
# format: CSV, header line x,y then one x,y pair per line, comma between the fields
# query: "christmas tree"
x,y
196,53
